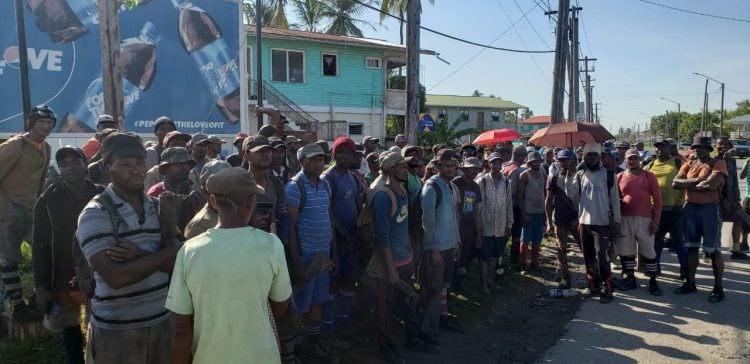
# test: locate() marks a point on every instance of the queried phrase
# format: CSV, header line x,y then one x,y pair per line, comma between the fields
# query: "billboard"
x,y
178,58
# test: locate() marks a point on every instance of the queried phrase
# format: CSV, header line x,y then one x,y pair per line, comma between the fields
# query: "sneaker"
x,y
716,296
605,296
739,256
653,287
686,288
432,339
627,284
389,353
23,313
451,323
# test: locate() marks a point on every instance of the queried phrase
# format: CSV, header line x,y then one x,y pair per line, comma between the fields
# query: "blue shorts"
x,y
314,292
533,231
492,247
702,221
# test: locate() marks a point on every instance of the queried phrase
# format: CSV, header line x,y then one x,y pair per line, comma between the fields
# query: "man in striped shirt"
x,y
120,236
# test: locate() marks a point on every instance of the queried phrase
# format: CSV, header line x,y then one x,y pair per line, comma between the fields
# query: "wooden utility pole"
x,y
258,58
561,47
413,22
23,65
588,93
109,36
573,72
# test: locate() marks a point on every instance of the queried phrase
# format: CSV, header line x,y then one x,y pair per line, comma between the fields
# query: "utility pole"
x,y
573,73
596,111
413,22
109,37
23,58
558,81
258,58
721,121
588,92
705,109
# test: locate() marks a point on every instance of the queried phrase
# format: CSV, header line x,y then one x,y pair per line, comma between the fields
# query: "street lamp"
x,y
721,122
679,115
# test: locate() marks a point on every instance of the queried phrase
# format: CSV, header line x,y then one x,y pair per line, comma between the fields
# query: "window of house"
x,y
495,116
355,129
372,62
287,66
330,64
465,115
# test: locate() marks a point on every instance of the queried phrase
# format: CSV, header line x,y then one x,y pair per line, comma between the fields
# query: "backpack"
x,y
366,234
415,210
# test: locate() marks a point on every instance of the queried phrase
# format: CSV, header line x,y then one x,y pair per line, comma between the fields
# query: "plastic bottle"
x,y
562,292
138,66
201,38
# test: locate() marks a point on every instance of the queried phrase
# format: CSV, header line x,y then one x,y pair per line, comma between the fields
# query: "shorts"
x,y
70,303
147,345
533,231
515,229
15,227
314,292
702,221
492,247
634,230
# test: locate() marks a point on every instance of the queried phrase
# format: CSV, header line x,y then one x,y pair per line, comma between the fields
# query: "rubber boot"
x,y
535,256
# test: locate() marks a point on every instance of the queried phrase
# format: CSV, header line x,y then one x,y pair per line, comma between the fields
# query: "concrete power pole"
x,y
413,21
109,36
23,65
588,93
561,47
573,72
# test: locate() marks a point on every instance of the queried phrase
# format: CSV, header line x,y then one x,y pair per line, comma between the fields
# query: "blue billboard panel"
x,y
178,58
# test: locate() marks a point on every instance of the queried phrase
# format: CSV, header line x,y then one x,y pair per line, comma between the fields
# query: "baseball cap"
x,y
370,138
162,120
446,154
631,153
175,155
215,139
389,160
234,183
533,157
267,131
292,139
408,148
105,118
493,156
471,162
309,151
401,138
592,148
255,143
212,167
69,150
276,142
239,138
622,145
176,134
123,145
565,154
372,157
199,138
659,143
343,143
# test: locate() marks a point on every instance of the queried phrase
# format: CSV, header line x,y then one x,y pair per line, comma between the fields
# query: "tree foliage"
x,y
689,124
310,14
446,133
343,18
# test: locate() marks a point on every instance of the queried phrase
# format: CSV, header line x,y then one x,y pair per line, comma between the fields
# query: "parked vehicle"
x,y
741,147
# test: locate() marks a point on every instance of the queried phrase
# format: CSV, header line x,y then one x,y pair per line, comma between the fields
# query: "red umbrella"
x,y
570,134
497,136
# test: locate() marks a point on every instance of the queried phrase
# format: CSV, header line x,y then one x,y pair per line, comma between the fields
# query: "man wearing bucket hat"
x,y
128,318
55,221
25,158
205,276
599,217
173,139
401,141
175,167
531,196
561,206
702,179
470,198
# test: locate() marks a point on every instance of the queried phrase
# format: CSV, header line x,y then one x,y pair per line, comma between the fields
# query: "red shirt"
x,y
641,195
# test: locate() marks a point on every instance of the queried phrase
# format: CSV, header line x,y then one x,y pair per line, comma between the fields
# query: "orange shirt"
x,y
697,169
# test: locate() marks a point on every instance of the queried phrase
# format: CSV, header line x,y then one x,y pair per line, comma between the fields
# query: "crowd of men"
x,y
179,255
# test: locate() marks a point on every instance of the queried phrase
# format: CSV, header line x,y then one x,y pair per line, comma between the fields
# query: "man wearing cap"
x,y
310,233
512,171
702,180
641,211
531,184
392,241
175,167
213,150
131,255
469,215
207,217
374,164
199,151
258,155
91,146
55,222
731,213
95,167
665,168
162,126
496,218
235,160
645,154
599,220
25,158
401,141
292,146
622,147
468,151
370,144
278,158
173,139
225,280
439,243
561,205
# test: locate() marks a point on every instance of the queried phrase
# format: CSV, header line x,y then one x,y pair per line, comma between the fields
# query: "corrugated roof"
x,y
536,120
742,119
325,38
471,102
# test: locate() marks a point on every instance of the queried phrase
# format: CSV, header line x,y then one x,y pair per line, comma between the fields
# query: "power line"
x,y
486,46
695,12
480,52
585,36
530,24
521,39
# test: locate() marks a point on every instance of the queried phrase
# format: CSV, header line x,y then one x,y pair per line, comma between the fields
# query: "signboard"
x,y
426,123
178,58
580,117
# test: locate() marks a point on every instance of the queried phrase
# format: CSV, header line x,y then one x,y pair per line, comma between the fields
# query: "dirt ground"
x,y
515,325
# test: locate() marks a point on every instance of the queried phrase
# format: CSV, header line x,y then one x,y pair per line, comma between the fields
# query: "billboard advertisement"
x,y
178,58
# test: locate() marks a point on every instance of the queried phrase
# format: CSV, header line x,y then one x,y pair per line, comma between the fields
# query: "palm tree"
x,y
396,7
266,12
278,19
446,134
310,13
342,18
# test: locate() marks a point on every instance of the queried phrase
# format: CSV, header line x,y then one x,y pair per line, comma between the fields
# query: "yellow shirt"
x,y
665,173
225,277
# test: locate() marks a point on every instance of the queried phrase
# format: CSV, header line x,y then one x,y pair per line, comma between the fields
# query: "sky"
x,y
644,52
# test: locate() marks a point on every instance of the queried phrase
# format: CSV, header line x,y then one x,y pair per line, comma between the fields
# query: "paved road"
x,y
637,327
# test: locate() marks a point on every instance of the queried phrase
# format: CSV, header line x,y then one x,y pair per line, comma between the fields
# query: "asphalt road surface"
x,y
637,327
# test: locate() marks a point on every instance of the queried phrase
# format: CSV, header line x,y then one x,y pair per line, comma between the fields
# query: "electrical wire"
x,y
521,39
485,46
585,36
530,24
695,12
